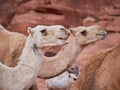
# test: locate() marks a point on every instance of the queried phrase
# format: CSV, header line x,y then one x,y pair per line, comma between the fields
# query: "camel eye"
x,y
84,32
74,79
44,32
62,29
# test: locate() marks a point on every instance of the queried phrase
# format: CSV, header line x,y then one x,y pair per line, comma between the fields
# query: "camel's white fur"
x,y
24,74
64,80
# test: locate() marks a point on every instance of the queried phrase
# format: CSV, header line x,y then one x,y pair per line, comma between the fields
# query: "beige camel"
x,y
19,78
24,74
102,71
80,37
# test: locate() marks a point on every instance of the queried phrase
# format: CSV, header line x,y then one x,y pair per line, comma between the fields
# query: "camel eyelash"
x,y
84,32
44,32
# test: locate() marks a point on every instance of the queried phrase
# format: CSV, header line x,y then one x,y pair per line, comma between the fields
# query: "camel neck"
x,y
71,50
24,73
30,54
64,58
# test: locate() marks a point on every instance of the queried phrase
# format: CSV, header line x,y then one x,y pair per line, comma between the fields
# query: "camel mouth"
x,y
101,35
51,49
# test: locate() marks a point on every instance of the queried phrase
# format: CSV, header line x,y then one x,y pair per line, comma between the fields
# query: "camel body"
x,y
102,72
11,46
24,74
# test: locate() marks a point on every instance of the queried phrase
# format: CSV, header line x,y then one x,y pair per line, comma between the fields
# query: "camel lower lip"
x,y
100,36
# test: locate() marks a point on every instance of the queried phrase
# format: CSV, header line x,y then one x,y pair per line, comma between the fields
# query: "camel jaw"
x,y
46,45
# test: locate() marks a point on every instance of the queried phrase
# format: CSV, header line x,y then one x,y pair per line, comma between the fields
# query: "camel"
x,y
64,80
18,78
79,38
13,42
24,74
61,82
74,69
102,71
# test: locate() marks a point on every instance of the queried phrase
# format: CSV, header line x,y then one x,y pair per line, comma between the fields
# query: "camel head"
x,y
86,35
48,36
74,69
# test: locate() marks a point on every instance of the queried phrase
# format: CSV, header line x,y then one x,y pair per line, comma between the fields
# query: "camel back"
x,y
11,46
101,72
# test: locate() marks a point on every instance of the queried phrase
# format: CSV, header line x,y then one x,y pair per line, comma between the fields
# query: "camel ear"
x,y
72,31
30,32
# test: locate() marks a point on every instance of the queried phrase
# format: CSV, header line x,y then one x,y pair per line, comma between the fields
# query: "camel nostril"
x,y
61,38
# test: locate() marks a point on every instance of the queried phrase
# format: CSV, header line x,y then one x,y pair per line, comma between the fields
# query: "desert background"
x,y
17,15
